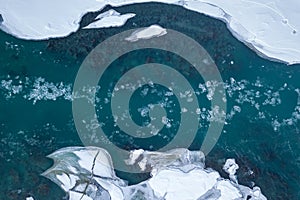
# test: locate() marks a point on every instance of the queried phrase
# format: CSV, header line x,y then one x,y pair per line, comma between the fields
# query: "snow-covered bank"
x,y
87,173
269,27
38,20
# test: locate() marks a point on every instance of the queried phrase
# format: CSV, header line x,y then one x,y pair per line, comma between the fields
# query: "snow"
x,y
228,190
134,156
86,160
231,167
174,184
270,27
110,18
66,180
147,33
257,193
116,191
175,175
100,166
34,19
78,196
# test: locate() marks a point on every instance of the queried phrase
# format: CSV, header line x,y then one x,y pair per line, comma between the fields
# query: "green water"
x,y
262,131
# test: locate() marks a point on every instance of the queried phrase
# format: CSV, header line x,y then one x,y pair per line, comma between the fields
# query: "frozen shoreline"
x,y
271,28
88,173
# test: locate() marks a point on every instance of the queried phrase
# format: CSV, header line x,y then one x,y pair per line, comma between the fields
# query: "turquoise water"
x,y
263,117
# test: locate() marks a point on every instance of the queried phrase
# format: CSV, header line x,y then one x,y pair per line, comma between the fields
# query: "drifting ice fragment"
x,y
110,18
230,167
147,33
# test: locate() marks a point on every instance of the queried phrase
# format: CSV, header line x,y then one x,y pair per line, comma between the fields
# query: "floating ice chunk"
x,y
211,194
140,191
77,195
230,167
165,120
257,194
228,190
159,160
184,110
43,90
144,111
110,18
174,184
10,88
134,156
77,170
67,181
147,33
29,198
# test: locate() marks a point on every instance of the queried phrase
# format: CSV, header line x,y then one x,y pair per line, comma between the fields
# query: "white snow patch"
x,y
110,18
174,184
230,167
147,33
228,191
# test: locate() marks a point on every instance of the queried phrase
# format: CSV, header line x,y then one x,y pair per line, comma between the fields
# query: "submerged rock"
x,y
88,173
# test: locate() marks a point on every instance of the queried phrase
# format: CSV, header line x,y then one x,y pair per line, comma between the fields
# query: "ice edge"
x,y
283,51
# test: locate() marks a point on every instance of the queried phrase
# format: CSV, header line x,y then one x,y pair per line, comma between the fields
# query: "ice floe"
x,y
147,33
231,167
87,173
110,18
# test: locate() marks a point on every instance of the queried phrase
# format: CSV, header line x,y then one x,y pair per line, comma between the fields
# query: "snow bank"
x,y
87,173
270,27
38,20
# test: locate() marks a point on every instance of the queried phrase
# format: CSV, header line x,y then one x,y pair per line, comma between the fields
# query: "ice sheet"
x,y
270,27
175,175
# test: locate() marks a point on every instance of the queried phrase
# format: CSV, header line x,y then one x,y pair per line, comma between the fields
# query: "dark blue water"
x,y
263,99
